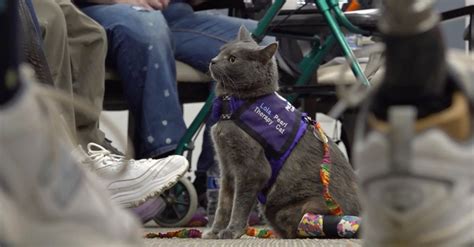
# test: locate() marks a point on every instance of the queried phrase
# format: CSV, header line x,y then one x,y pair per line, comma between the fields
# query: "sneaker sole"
x,y
147,188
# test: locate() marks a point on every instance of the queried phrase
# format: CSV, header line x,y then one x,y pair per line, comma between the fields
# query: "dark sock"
x,y
164,155
200,184
9,81
416,74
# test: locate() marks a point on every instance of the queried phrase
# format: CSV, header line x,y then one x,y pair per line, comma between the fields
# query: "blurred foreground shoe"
x,y
49,199
417,175
143,179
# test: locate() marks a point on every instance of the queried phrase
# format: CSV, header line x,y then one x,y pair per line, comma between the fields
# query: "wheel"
x,y
181,204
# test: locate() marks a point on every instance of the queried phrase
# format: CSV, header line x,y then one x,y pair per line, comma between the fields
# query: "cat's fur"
x,y
252,72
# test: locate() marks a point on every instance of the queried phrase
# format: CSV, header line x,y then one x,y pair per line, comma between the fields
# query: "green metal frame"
x,y
184,143
335,18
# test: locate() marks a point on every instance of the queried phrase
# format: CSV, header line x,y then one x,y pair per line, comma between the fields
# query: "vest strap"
x,y
226,111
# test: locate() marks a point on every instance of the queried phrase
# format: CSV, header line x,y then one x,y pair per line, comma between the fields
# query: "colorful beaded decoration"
x,y
194,233
184,233
260,233
324,173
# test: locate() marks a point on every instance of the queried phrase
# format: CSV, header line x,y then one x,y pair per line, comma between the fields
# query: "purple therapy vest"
x,y
271,120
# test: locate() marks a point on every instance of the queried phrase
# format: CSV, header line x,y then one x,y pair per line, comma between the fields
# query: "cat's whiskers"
x,y
233,85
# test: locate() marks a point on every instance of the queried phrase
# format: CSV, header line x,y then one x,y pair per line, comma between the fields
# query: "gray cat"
x,y
246,71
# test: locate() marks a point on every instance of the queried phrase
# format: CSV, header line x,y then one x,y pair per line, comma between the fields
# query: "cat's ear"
x,y
266,53
244,34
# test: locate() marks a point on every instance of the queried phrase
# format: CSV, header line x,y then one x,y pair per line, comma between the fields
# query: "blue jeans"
x,y
143,46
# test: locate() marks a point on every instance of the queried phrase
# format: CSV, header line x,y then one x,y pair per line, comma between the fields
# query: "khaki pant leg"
x,y
88,49
55,45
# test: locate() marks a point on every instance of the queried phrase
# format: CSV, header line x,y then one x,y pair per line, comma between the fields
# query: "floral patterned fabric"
x,y
328,226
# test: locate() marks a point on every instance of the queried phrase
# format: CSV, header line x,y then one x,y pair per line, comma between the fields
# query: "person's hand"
x,y
158,4
147,4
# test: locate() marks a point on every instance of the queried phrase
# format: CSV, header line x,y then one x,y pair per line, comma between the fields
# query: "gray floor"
x,y
244,241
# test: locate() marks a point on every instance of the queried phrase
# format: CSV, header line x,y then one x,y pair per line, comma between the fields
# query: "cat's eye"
x,y
231,59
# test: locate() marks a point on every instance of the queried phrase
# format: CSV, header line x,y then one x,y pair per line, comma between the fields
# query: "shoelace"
x,y
100,155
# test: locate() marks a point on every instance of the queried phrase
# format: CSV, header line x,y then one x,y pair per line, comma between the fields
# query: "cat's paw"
x,y
229,234
210,235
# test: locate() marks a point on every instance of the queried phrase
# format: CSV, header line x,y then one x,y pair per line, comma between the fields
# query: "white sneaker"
x,y
142,180
417,178
48,199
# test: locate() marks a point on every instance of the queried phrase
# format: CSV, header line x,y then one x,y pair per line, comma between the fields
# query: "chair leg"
x,y
471,33
348,123
131,133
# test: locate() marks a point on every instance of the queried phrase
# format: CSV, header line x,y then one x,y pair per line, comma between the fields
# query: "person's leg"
x,y
34,17
200,29
49,193
140,48
87,48
54,31
44,191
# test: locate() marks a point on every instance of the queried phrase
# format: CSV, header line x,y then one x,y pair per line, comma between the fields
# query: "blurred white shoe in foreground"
x,y
48,198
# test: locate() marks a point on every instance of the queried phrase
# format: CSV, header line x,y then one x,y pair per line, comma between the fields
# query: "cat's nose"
x,y
213,61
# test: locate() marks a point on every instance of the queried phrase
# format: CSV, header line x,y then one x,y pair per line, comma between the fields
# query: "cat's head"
x,y
245,69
